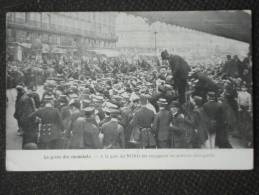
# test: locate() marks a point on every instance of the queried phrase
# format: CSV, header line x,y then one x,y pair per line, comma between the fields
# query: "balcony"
x,y
59,29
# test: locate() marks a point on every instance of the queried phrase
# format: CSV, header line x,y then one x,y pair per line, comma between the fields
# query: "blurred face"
x,y
245,72
136,104
174,110
243,88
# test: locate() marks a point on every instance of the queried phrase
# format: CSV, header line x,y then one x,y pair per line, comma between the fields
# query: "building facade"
x,y
76,30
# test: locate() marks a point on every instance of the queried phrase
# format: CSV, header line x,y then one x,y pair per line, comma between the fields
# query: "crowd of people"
x,y
113,104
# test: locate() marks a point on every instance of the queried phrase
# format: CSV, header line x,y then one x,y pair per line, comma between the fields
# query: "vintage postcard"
x,y
129,90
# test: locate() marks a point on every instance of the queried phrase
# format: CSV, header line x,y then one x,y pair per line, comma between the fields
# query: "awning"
x,y
58,50
25,45
234,24
107,53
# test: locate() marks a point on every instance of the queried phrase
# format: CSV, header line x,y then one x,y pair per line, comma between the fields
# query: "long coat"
x,y
180,69
217,123
51,124
181,132
84,134
126,116
113,135
162,125
141,123
201,124
24,108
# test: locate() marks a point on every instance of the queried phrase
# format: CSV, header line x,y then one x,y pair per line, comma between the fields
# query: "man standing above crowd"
x,y
180,70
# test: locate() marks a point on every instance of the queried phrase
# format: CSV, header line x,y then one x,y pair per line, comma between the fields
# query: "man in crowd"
x,y
25,105
133,121
180,70
142,122
51,126
113,132
162,123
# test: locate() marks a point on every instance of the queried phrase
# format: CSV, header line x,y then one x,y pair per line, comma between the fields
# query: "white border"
x,y
129,159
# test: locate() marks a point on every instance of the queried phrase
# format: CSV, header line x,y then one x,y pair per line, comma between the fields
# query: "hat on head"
x,y
198,100
117,97
88,110
48,98
86,103
162,101
243,84
164,54
113,111
109,105
73,96
211,94
19,87
75,103
30,146
63,98
98,99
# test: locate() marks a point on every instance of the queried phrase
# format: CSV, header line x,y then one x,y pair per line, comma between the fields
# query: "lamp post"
x,y
155,39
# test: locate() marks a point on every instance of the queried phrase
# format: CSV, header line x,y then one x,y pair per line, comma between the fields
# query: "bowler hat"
x,y
88,110
211,94
113,111
162,101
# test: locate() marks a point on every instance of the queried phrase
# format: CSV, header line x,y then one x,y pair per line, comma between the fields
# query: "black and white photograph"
x,y
143,81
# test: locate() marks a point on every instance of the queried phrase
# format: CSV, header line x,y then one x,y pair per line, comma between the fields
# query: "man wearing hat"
x,y
99,113
126,117
85,134
113,132
200,121
61,102
142,133
162,124
34,95
47,93
245,109
18,107
181,133
216,130
51,127
24,107
203,84
230,67
180,70
91,130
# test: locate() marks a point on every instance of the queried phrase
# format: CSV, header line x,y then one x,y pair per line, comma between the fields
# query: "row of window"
x,y
60,19
59,40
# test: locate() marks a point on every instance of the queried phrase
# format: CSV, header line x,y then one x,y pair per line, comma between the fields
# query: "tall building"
x,y
67,30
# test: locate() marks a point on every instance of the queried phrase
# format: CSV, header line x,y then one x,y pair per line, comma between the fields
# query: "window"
x,y
45,38
10,16
20,17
